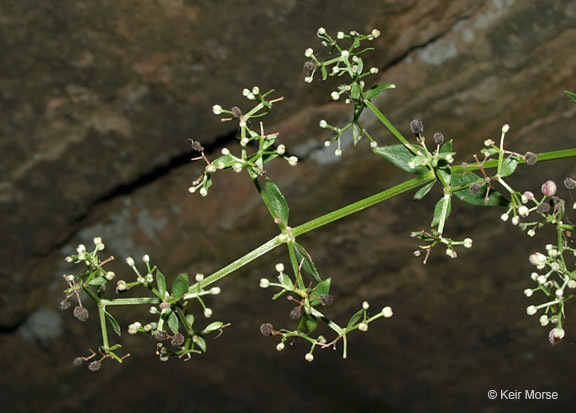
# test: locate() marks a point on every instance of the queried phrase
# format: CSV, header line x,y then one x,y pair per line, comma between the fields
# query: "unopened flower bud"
x,y
549,188
417,127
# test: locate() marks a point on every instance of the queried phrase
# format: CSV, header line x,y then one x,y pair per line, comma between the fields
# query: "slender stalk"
x,y
387,123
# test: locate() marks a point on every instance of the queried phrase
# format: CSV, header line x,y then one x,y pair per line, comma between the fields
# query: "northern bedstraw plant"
x,y
179,327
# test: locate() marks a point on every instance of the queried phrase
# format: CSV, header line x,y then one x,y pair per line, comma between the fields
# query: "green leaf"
x,y
422,192
227,160
161,282
98,281
200,342
307,264
356,133
494,198
571,96
190,319
376,89
400,156
276,202
354,319
443,205
216,325
508,166
180,286
173,322
113,323
287,282
355,91
444,172
308,323
324,72
269,140
321,288
360,65
447,147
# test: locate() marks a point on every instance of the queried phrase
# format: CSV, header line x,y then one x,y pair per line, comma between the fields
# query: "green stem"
x,y
387,123
101,313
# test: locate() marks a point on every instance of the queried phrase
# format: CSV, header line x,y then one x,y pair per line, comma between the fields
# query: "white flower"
x,y
280,267
133,328
237,167
365,305
468,243
321,31
338,152
488,142
210,169
149,278
363,327
504,217
515,220
97,240
146,258
528,292
505,128
541,279
327,143
531,310
244,141
199,277
256,90
523,211
203,191
375,33
217,109
340,35
245,92
309,52
308,79
374,70
130,261
335,95
225,151
559,293
345,54
544,320
531,232
215,290
121,285
207,312
323,123
373,144
572,284
110,275
309,357
280,346
293,161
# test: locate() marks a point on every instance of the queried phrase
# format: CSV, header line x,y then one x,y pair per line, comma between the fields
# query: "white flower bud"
x,y
541,279
340,35
225,151
544,320
146,258
321,31
217,109
531,232
515,220
149,278
375,33
528,292
97,240
387,312
207,313
374,70
264,283
531,310
323,123
281,150
237,167
309,52
308,79
363,327
199,277
110,275
309,357
130,261
335,95
505,128
210,169
293,161
345,54
504,217
338,152
256,90
488,142
523,211
468,243
280,346
559,293
365,305
572,284
280,267
373,144
245,92
203,191
121,285
215,290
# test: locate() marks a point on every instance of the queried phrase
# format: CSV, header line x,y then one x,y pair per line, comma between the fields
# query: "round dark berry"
x,y
417,127
94,366
296,313
178,340
161,335
64,304
326,299
81,313
266,329
530,158
78,362
438,138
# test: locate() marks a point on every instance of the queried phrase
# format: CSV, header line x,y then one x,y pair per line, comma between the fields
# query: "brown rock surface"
x,y
99,99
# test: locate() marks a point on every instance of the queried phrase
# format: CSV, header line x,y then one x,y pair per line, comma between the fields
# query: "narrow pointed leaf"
x,y
307,263
277,203
400,156
161,282
443,205
180,286
173,322
376,89
422,192
200,342
213,326
113,323
354,319
571,96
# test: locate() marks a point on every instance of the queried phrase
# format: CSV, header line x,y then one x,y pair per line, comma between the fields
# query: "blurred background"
x,y
99,99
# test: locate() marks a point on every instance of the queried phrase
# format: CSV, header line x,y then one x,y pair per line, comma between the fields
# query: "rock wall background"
x,y
98,100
